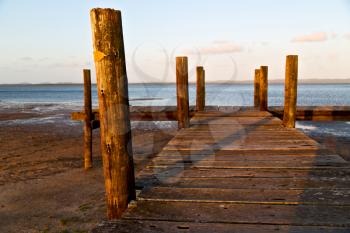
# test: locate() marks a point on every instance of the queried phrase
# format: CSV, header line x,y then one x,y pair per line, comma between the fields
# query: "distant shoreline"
x,y
276,81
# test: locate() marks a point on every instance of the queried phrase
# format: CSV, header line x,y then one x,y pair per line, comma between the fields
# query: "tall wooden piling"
x,y
263,88
112,83
200,97
87,120
290,93
257,88
182,92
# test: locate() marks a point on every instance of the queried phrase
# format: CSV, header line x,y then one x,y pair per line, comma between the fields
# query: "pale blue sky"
x,y
50,41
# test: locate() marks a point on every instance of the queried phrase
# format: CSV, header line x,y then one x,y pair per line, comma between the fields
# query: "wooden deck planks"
x,y
148,226
169,113
249,196
299,215
174,156
272,172
247,164
298,183
240,172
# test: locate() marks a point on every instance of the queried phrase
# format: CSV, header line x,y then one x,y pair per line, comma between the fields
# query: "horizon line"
x,y
273,81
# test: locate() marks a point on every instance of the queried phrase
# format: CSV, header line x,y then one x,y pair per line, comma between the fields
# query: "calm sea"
x,y
71,96
54,102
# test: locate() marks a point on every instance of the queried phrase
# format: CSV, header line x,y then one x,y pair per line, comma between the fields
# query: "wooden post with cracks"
x,y
257,89
112,84
290,93
182,92
263,88
87,120
200,90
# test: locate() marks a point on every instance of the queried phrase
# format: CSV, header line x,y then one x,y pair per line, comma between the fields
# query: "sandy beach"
x,y
43,187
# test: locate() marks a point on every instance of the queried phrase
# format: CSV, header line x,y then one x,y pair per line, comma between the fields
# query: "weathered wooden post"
x,y
182,92
112,84
257,89
87,120
263,88
290,91
200,98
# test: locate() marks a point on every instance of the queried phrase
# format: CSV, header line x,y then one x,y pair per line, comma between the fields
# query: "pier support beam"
x,y
263,88
257,88
112,84
87,120
182,92
200,98
290,93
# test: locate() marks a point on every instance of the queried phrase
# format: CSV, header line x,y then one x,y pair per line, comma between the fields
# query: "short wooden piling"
x,y
200,97
263,88
182,92
257,88
87,120
112,83
290,93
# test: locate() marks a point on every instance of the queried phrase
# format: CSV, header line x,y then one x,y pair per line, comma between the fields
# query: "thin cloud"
x,y
347,36
32,59
217,47
26,59
64,64
314,37
43,59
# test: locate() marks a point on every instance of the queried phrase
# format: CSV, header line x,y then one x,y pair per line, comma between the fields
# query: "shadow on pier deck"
x,y
240,172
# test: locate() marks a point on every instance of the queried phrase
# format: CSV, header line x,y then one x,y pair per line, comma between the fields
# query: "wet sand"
x,y
333,135
43,187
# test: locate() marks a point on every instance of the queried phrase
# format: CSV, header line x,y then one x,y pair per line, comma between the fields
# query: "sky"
x,y
45,41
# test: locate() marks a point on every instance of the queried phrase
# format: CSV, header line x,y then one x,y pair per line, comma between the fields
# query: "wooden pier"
x,y
228,169
240,171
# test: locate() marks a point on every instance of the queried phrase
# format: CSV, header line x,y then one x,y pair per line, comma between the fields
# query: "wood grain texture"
x,y
257,88
200,89
87,120
112,85
316,113
263,88
334,197
251,183
290,91
149,226
169,113
236,172
182,92
263,213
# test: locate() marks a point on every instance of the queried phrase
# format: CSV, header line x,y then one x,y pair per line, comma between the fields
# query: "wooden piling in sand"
x,y
257,88
263,88
290,93
200,90
182,92
112,83
87,120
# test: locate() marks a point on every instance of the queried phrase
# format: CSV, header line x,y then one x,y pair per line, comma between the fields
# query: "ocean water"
x,y
51,100
71,96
